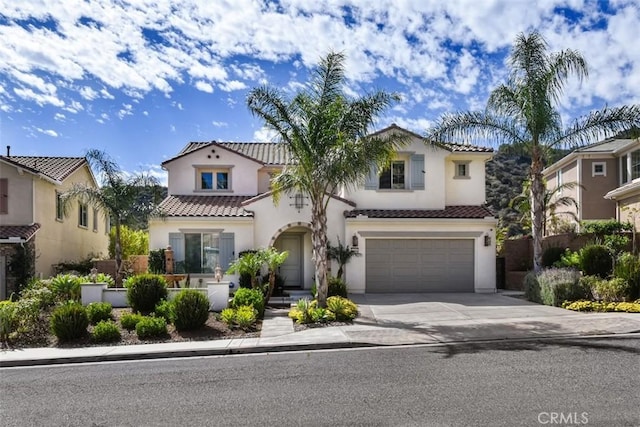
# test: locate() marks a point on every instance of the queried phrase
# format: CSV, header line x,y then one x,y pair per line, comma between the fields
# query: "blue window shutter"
x,y
417,172
227,250
176,240
372,180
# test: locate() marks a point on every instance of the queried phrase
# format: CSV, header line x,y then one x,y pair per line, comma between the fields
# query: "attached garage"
x,y
419,265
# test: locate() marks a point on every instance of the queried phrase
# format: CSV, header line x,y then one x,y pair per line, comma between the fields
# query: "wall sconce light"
x,y
354,241
487,240
298,202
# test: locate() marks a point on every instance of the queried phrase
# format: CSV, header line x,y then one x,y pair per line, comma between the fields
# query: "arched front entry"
x,y
297,270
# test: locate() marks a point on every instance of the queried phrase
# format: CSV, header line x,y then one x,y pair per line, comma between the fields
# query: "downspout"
x,y
579,191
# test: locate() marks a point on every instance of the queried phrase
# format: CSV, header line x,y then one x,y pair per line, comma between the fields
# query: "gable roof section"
x,y
607,148
205,206
453,147
464,212
55,168
253,199
19,233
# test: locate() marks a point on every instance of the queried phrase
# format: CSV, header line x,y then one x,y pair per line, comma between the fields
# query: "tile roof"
x,y
453,147
56,168
205,206
470,212
23,232
607,146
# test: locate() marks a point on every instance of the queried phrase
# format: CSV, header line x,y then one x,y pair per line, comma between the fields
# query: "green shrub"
x,y
151,327
569,259
130,320
628,268
100,278
321,315
105,331
552,255
40,292
69,321
560,284
8,320
344,309
531,287
252,297
245,316
337,287
613,290
145,291
99,311
596,260
132,242
582,305
66,287
166,310
157,262
303,311
191,309
228,316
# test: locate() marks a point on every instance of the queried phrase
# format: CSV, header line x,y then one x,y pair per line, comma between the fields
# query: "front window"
x,y
95,220
214,180
461,170
59,207
201,252
635,164
83,216
393,177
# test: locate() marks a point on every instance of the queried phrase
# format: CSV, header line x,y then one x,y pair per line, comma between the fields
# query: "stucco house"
x,y
607,173
31,214
420,226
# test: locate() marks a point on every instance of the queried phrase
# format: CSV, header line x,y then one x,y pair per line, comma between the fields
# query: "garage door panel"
x,y
419,265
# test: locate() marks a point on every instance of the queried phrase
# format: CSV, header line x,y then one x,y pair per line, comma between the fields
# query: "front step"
x,y
293,298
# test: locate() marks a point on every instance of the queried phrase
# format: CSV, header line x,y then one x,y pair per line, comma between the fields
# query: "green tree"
x,y
553,200
326,134
250,263
342,254
273,259
117,197
524,111
132,242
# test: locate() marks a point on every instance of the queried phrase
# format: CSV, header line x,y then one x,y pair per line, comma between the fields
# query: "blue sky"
x,y
140,79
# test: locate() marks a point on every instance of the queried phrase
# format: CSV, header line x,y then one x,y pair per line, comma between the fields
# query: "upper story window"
x,y
214,179
559,181
95,220
107,224
598,169
393,177
629,167
83,215
461,170
59,207
635,164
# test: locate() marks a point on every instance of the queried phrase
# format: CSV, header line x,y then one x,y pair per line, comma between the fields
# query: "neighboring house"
x,y
606,172
31,213
420,226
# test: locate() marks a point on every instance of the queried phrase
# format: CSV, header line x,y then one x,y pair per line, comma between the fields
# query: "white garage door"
x,y
419,265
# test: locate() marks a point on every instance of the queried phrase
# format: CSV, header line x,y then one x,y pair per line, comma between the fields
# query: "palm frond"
x,y
600,124
481,126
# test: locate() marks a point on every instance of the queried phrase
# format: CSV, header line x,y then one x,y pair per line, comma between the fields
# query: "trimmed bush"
x,y
228,316
252,297
552,255
337,287
303,311
245,316
166,310
583,305
595,260
66,287
191,309
99,311
151,327
344,309
130,320
145,291
39,291
532,287
560,284
613,290
105,331
568,259
69,321
8,320
628,268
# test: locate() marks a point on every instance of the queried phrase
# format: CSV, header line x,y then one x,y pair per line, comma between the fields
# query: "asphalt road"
x,y
570,382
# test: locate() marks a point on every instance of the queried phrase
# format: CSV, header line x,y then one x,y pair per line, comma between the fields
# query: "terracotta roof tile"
x,y
469,212
57,168
24,232
205,206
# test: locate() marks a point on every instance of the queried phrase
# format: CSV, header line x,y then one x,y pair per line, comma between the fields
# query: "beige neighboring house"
x,y
420,226
607,172
31,214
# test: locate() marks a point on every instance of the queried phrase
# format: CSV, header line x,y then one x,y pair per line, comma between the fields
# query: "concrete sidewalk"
x,y
398,319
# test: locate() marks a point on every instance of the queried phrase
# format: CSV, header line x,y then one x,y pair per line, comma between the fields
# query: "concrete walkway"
x,y
392,319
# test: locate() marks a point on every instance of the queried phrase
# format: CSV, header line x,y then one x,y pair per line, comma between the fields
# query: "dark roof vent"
x,y
8,151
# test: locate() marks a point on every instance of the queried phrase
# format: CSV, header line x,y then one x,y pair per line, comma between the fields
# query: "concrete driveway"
x,y
449,317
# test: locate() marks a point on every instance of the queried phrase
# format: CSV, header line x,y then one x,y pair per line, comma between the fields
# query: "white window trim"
x,y
59,209
406,177
604,169
95,220
213,169
456,171
86,208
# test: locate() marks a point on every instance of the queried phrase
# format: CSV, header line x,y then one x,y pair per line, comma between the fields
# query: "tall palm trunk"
x,y
319,241
118,254
537,204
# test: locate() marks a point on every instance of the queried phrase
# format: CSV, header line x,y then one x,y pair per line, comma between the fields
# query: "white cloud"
x,y
59,116
232,85
265,134
204,86
49,132
126,110
219,124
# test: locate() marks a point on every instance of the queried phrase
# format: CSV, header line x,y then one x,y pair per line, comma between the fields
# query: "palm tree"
x,y
553,200
273,259
342,254
326,134
118,197
525,111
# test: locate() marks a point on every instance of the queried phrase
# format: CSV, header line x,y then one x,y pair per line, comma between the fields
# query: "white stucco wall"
x,y
465,191
485,261
20,198
183,177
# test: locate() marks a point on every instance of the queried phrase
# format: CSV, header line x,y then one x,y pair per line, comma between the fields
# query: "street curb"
x,y
289,348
